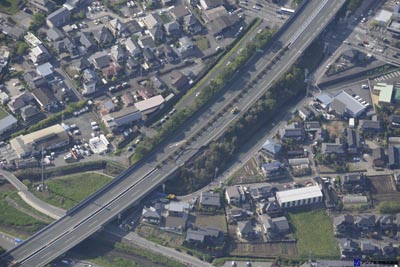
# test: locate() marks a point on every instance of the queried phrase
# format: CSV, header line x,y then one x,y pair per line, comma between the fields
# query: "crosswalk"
x,y
388,76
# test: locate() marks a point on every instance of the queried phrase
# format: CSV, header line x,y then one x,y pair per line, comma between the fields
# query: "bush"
x,y
389,207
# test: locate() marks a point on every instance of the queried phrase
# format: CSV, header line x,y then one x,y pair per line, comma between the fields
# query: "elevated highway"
x,y
131,186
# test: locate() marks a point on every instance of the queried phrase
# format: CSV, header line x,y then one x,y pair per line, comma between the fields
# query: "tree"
x,y
37,21
21,48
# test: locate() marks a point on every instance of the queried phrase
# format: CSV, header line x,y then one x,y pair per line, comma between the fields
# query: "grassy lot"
x,y
108,254
67,191
214,221
9,6
16,222
314,233
203,43
3,113
161,237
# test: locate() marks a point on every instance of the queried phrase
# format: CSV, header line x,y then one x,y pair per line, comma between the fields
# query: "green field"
x,y
3,113
203,43
67,191
314,234
9,6
16,222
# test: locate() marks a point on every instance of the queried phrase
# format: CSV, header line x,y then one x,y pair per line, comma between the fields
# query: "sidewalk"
x,y
31,199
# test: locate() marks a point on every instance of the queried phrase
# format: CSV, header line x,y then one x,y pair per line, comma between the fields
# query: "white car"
x,y
256,7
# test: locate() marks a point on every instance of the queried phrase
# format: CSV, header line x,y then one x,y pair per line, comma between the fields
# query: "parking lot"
x,y
83,125
14,87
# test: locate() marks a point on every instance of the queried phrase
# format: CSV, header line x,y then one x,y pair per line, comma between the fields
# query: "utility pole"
x,y
42,163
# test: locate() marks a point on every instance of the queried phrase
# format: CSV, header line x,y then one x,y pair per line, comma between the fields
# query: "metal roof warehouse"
x,y
299,197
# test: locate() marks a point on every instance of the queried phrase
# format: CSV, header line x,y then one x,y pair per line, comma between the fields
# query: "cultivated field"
x,y
264,249
383,188
213,221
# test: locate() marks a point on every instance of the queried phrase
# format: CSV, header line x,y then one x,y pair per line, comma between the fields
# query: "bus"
x,y
286,11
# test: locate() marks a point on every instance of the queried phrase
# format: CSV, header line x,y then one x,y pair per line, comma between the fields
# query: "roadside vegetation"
x,y
389,207
14,221
66,192
314,234
207,93
218,154
105,252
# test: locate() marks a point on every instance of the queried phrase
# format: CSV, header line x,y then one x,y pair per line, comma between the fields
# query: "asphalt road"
x,y
104,206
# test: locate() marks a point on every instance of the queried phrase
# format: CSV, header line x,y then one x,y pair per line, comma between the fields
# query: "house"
x,y
294,131
100,60
213,13
177,217
178,80
29,112
45,97
45,70
394,120
275,227
385,222
7,122
89,81
353,142
333,148
210,200
87,41
394,152
54,34
133,27
207,4
260,193
111,71
324,100
234,195
19,101
348,248
178,12
299,197
221,24
106,107
354,183
305,113
146,41
45,6
58,18
81,64
150,59
245,230
343,224
152,20
132,47
172,28
103,36
368,248
156,33
272,169
39,54
344,104
66,48
117,53
4,98
372,126
271,148
118,28
272,209
191,24
33,79
127,99
133,65
379,157
207,236
365,222
151,215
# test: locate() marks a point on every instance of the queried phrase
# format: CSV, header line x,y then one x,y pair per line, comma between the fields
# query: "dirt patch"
x,y
5,186
335,128
383,188
264,249
249,173
213,221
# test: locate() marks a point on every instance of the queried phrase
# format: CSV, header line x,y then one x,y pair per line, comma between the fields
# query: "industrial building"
x,y
384,91
49,138
125,116
299,197
7,121
344,104
150,105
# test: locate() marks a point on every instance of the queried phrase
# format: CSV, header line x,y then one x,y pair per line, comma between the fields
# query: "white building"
x,y
299,197
99,144
234,195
